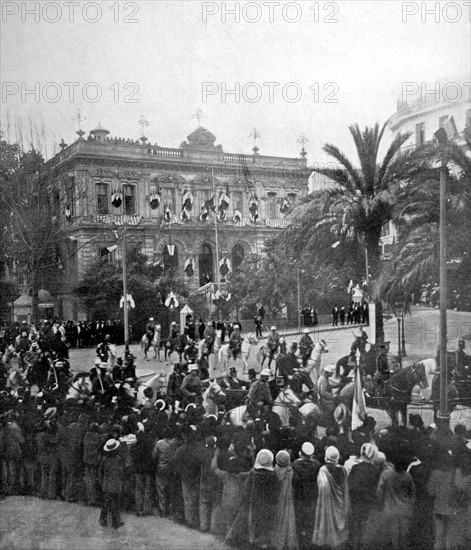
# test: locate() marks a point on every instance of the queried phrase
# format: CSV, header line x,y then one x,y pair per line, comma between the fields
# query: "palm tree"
x,y
348,216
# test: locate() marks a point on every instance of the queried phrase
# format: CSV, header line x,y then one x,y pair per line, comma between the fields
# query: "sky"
x,y
331,64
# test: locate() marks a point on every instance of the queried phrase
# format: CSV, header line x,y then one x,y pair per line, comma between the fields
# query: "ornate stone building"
x,y
164,197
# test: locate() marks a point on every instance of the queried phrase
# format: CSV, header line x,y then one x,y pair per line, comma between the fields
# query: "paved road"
x,y
28,523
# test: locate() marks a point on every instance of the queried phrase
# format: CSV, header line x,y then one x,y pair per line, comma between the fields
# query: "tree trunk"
x,y
34,295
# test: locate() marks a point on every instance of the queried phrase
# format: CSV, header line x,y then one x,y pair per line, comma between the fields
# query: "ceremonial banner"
x,y
359,405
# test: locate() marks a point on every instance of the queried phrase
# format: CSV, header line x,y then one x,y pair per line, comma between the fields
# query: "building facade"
x,y
195,207
434,105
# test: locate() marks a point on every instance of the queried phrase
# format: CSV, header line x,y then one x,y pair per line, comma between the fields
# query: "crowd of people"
x,y
259,484
81,334
353,314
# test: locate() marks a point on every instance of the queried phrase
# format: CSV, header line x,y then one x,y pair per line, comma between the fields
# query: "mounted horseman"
x,y
150,333
235,341
273,343
306,345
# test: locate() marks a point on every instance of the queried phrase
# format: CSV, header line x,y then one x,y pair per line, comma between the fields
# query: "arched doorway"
x,y
237,257
205,264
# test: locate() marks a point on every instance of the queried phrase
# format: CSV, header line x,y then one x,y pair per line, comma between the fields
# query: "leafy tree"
x,y
29,213
101,289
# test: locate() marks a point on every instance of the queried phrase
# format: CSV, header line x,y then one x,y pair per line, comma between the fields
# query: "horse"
x,y
213,396
457,389
155,343
314,360
325,418
264,353
204,358
158,383
367,362
397,391
246,347
81,386
284,402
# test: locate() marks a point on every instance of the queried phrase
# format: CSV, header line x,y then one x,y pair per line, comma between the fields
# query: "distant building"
x,y
164,197
434,105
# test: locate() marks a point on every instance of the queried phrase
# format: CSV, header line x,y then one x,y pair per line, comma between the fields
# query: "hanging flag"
x,y
253,208
167,214
359,405
350,286
224,266
68,213
171,301
185,215
237,217
204,214
117,199
189,267
155,199
209,204
222,215
187,200
285,205
130,301
223,201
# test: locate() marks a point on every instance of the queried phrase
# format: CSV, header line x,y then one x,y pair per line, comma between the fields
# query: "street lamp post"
x,y
443,414
299,299
398,319
403,348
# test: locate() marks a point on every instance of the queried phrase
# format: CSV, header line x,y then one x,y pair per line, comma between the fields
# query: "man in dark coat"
x,y
305,470
112,474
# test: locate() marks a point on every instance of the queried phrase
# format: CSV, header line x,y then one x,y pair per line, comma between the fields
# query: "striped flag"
x,y
359,405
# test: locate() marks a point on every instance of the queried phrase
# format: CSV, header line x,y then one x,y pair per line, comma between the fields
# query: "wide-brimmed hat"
x,y
283,458
264,460
265,372
340,412
193,366
369,452
306,331
111,445
273,327
330,369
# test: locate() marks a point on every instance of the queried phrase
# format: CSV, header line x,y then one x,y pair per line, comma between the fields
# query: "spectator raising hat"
x,y
111,445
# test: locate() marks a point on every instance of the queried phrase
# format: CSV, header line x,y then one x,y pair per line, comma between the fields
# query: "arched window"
x,y
170,262
205,264
237,257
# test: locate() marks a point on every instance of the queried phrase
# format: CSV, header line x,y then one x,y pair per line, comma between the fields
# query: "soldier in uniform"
x,y
235,341
259,394
191,387
174,386
273,343
382,365
210,335
359,344
234,382
103,349
306,345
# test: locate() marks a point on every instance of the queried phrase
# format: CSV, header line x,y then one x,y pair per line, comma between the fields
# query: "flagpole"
x,y
216,231
125,291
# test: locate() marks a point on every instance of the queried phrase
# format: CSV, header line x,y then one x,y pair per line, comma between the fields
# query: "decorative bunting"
x,y
117,220
204,214
237,217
